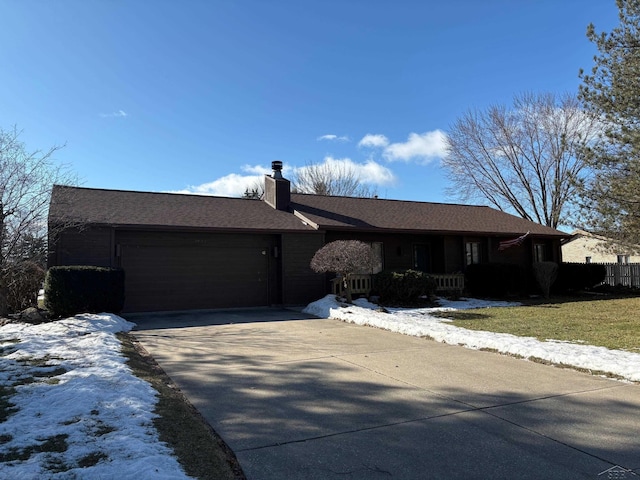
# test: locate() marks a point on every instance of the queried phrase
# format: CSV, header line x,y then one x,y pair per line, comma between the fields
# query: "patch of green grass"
x,y
612,323
200,451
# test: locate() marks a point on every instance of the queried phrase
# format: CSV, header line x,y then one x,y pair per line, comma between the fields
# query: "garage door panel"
x,y
177,277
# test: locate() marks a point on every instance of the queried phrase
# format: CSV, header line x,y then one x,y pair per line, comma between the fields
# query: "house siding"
x,y
89,246
443,253
300,284
581,247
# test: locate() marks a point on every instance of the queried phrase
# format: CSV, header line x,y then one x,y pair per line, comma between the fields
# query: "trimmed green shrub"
x,y
69,290
495,279
403,288
578,276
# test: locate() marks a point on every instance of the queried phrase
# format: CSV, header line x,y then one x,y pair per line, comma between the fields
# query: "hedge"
x,y
69,290
403,288
578,276
495,279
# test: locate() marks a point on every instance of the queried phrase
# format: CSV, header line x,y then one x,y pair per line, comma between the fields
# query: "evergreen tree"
x,y
611,195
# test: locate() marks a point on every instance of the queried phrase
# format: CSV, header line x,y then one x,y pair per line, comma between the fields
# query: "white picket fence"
x,y
361,284
627,275
450,282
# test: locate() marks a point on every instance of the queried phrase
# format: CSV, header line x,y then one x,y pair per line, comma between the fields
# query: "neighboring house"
x,y
200,252
585,247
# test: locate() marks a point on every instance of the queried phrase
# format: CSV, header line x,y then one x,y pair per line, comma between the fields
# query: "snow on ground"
x,y
71,380
419,322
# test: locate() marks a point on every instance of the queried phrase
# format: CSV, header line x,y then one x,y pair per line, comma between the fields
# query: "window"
x,y
377,262
378,257
539,252
623,259
472,250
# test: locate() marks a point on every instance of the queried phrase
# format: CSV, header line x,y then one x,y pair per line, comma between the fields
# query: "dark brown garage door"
x,y
192,271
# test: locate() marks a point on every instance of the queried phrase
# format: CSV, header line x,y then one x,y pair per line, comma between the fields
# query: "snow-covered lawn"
x,y
79,412
419,322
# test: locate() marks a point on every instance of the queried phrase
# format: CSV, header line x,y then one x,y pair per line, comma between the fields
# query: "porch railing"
x,y
450,282
361,284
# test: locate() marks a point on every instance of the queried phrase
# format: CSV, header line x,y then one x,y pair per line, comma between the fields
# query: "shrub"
x,y
578,276
545,274
83,289
494,279
403,288
24,280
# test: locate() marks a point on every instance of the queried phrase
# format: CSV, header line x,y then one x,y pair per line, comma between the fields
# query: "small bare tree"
x,y
26,179
524,158
546,274
255,191
333,178
344,258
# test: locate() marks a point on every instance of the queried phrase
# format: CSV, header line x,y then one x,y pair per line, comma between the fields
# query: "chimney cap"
x,y
276,165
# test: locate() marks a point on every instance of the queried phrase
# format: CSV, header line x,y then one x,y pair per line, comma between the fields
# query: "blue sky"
x,y
201,96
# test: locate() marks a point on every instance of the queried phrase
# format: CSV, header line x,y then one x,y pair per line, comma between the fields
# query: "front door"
x,y
422,257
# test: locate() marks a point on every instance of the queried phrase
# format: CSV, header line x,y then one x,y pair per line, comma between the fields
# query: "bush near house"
x,y
24,279
545,274
578,276
495,279
403,288
70,290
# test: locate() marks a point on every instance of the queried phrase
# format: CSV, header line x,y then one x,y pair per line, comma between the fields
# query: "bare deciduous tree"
x,y
523,158
255,191
26,179
332,178
345,258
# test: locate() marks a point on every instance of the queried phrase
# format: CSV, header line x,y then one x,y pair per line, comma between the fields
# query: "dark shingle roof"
x,y
179,211
347,213
145,209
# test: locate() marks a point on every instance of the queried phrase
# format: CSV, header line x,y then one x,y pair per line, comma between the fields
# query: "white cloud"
x,y
236,184
369,172
118,114
373,172
373,141
232,185
333,138
256,169
421,147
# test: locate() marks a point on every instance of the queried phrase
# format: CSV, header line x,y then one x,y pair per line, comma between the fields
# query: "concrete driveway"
x,y
303,398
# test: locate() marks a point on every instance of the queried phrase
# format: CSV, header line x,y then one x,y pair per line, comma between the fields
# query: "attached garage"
x,y
178,271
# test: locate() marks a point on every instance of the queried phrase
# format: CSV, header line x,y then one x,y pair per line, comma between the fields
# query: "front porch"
x,y
362,284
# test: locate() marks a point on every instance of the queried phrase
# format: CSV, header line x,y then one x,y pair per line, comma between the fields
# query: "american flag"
x,y
512,243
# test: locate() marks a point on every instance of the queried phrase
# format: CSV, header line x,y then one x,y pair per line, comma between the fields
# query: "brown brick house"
x,y
199,252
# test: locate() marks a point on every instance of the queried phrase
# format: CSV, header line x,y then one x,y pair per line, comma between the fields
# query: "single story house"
x,y
586,247
184,252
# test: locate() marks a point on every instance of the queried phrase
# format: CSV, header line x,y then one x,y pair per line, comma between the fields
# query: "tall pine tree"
x,y
611,197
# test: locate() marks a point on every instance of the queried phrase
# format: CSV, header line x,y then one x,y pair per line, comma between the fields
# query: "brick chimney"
x,y
277,189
